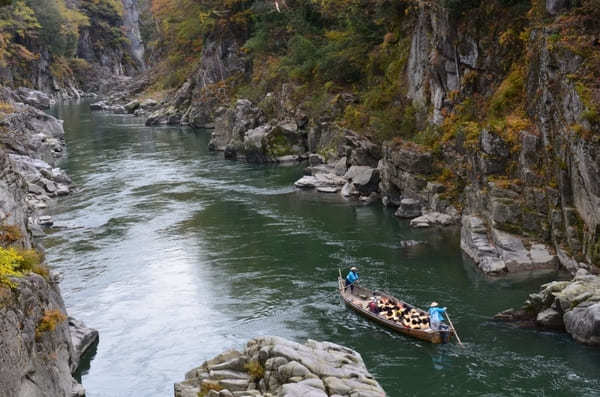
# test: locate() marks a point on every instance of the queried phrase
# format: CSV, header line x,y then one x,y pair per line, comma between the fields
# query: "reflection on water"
x,y
175,254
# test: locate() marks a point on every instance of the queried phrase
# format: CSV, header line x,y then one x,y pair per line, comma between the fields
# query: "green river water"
x,y
175,255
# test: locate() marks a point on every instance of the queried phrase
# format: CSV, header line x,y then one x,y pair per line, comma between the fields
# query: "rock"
x,y
551,319
77,390
34,98
583,323
432,218
315,159
23,350
45,221
328,189
101,105
349,190
409,208
132,106
364,179
301,389
83,338
503,252
341,166
307,182
573,306
148,103
290,369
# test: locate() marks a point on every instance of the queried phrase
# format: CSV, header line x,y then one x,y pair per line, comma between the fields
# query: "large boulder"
x,y
364,179
271,366
409,208
231,124
583,323
34,98
571,306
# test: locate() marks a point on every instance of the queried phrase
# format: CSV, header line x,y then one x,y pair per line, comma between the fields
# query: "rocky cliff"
x,y
271,366
67,47
498,122
39,348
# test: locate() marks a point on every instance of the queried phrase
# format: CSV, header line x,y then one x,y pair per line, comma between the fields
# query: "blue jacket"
x,y
351,277
436,313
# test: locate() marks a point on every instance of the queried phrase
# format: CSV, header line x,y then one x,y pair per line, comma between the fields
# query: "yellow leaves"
x,y
10,263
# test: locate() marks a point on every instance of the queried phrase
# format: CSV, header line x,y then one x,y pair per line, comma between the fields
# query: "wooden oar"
x,y
454,329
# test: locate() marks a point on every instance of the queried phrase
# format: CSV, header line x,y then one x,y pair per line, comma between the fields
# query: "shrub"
x,y
207,387
49,321
255,370
510,94
18,262
10,263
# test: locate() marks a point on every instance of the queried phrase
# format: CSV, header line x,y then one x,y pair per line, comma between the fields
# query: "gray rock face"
x,y
497,252
34,363
32,144
82,338
232,124
283,368
34,98
131,23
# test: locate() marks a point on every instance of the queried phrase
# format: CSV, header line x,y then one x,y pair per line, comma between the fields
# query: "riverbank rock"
x,y
432,218
409,208
273,366
106,106
571,306
36,346
496,252
37,99
82,338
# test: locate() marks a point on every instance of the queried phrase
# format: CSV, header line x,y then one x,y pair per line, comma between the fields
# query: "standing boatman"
x,y
436,316
352,277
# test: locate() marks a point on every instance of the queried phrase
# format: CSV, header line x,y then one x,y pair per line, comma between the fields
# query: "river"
x,y
175,254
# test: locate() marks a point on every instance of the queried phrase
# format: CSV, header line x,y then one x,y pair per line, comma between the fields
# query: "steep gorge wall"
x,y
492,106
37,349
64,47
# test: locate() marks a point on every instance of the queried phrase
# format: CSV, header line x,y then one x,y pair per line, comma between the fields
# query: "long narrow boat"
x,y
359,298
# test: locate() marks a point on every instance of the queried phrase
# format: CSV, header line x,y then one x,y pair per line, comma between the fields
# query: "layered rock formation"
x,y
36,349
273,366
571,306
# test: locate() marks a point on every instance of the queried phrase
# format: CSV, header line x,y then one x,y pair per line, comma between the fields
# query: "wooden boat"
x,y
359,298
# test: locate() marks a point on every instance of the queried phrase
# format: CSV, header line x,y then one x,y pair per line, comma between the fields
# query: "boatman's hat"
x,y
433,304
354,268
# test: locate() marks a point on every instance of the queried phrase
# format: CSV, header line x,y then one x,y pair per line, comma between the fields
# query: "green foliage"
x,y
59,25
